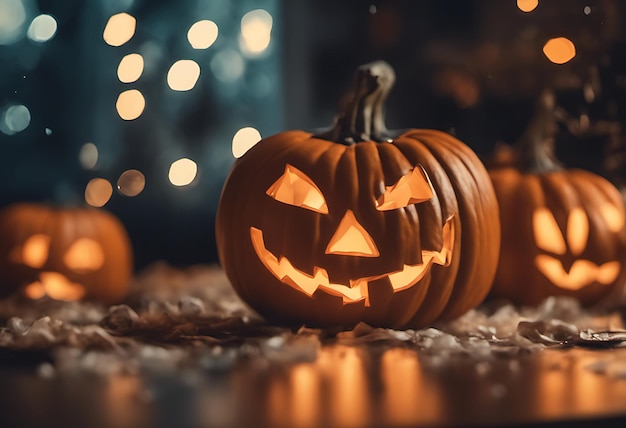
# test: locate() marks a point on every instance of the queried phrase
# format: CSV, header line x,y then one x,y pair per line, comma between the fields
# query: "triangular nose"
x,y
351,239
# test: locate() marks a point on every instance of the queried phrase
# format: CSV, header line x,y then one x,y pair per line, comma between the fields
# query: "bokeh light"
x,y
527,5
88,156
183,75
119,29
227,66
131,182
98,192
182,172
559,50
244,140
587,10
256,29
202,34
130,104
12,19
15,119
42,28
130,68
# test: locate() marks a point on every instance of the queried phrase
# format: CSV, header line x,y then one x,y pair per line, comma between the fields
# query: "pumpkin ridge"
x,y
352,177
394,163
436,299
531,271
595,194
474,225
600,185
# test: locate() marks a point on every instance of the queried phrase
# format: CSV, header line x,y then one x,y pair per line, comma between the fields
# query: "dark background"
x,y
473,68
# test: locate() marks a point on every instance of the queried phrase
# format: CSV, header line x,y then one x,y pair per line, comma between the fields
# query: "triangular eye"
x,y
412,188
295,188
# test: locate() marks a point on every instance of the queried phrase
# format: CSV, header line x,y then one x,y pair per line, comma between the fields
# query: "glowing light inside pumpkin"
x,y
130,68
548,236
42,28
577,231
256,30
131,182
35,251
119,29
409,275
88,156
527,5
352,239
295,188
559,50
614,217
412,188
98,192
202,34
35,290
581,274
56,286
546,231
84,255
183,75
357,290
244,140
130,104
182,172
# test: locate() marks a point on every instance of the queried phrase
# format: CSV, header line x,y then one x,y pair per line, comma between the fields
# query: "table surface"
x,y
190,354
345,386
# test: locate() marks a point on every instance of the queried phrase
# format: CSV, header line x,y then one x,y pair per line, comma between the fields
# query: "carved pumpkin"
x,y
65,254
359,224
562,230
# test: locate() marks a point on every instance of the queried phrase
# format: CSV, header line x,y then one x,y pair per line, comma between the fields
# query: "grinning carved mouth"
x,y
56,286
581,274
358,289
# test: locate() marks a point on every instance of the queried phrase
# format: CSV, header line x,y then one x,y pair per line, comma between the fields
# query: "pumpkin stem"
x,y
362,115
536,145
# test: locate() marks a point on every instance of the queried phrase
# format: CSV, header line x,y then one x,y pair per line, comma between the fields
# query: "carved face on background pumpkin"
x,y
563,234
64,254
313,231
556,244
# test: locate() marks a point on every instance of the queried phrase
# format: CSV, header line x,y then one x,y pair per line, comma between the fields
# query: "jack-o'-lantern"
x,y
562,229
358,223
63,253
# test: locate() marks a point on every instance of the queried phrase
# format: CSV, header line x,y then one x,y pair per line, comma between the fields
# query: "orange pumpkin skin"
x,y
351,178
88,246
562,230
520,276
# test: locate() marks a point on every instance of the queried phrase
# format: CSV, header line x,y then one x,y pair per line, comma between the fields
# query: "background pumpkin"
x,y
65,253
350,173
562,229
